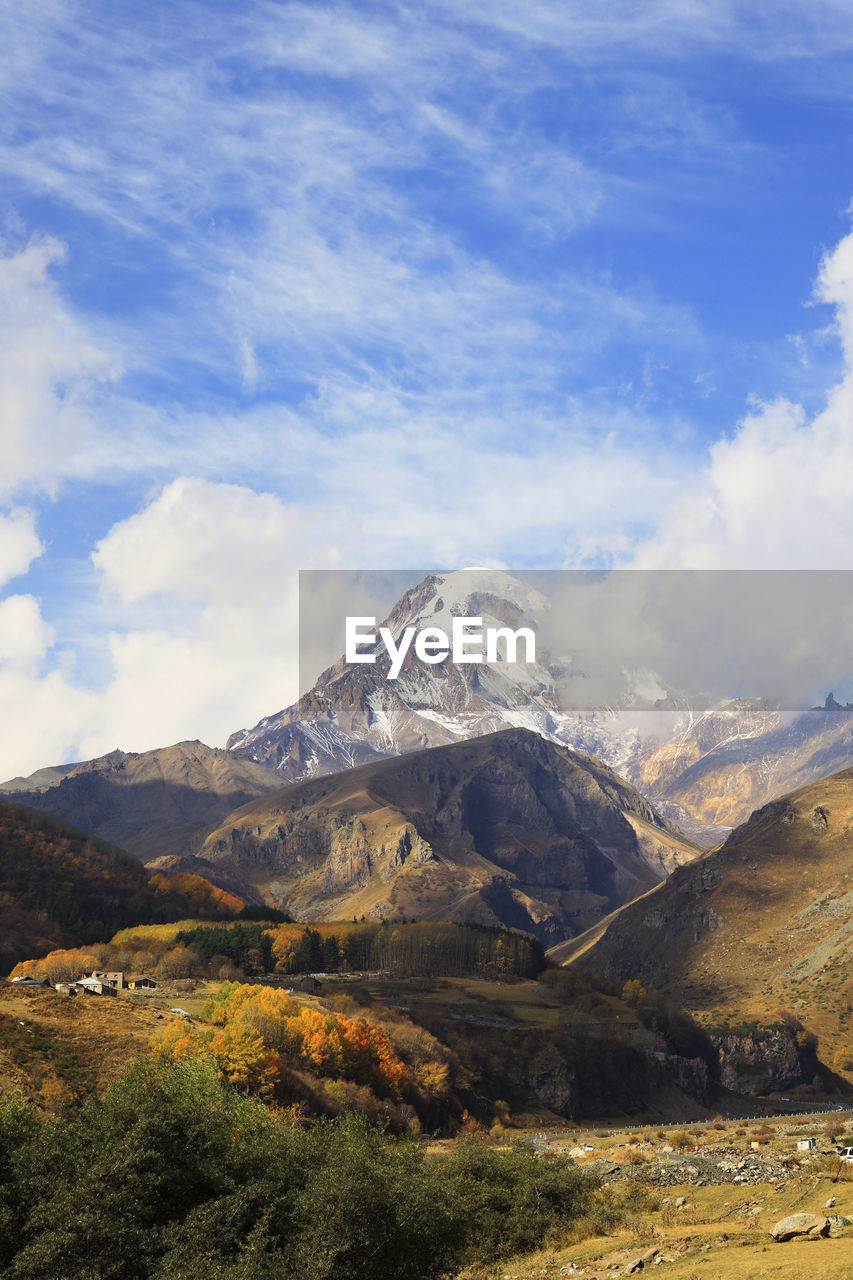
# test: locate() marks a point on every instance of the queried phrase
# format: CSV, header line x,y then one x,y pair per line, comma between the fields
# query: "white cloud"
x,y
835,287
49,370
19,543
42,712
202,583
198,540
24,635
200,587
777,493
43,718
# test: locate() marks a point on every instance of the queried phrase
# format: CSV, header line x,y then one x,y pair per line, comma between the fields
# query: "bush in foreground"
x,y
174,1176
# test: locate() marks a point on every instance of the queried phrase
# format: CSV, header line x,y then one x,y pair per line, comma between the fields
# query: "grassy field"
x,y
58,1048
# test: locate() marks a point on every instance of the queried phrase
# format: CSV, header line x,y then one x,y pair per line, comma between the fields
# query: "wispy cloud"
x,y
333,283
317,184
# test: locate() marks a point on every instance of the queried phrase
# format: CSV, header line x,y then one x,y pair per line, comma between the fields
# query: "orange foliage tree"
x,y
256,1032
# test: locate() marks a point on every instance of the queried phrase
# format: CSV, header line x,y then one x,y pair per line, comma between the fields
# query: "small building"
x,y
806,1144
97,986
141,982
114,979
311,986
26,981
67,988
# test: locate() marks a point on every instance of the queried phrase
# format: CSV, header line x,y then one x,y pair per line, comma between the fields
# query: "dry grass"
x,y
92,1038
714,1238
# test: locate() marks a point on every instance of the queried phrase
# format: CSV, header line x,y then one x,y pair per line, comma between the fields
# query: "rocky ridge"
x,y
155,804
503,829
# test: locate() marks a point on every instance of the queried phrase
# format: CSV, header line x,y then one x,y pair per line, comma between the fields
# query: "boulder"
x,y
800,1224
638,1263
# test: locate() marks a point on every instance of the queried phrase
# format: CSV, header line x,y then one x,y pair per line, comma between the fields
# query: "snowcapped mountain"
x,y
355,714
732,759
705,764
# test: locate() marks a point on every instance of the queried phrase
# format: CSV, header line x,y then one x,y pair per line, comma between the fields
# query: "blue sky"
x,y
317,285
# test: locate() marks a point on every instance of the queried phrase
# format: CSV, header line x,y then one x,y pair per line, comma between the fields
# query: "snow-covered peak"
x,y
456,591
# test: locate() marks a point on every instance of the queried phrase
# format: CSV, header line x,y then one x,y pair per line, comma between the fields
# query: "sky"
x,y
373,285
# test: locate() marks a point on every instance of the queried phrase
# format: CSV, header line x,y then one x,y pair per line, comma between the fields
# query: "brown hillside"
x,y
154,804
503,829
766,921
60,887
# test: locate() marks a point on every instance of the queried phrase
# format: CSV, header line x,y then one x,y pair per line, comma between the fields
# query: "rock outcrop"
x,y
765,1060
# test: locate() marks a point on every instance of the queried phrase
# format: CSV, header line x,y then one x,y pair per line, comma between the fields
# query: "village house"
x,y
141,982
308,984
114,980
93,986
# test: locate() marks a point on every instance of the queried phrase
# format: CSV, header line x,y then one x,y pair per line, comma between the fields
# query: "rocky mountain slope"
x,y
154,803
503,829
733,759
762,923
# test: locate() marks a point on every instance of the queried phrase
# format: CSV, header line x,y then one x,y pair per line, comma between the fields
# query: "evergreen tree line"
x,y
247,945
427,949
174,1176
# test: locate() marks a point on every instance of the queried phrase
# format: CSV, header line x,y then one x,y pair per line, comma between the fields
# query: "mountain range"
x,y
362,778
705,765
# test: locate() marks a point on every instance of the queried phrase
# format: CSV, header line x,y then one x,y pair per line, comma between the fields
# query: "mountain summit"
x,y
355,714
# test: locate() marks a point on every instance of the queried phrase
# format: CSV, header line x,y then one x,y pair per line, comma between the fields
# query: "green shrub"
x,y
174,1176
